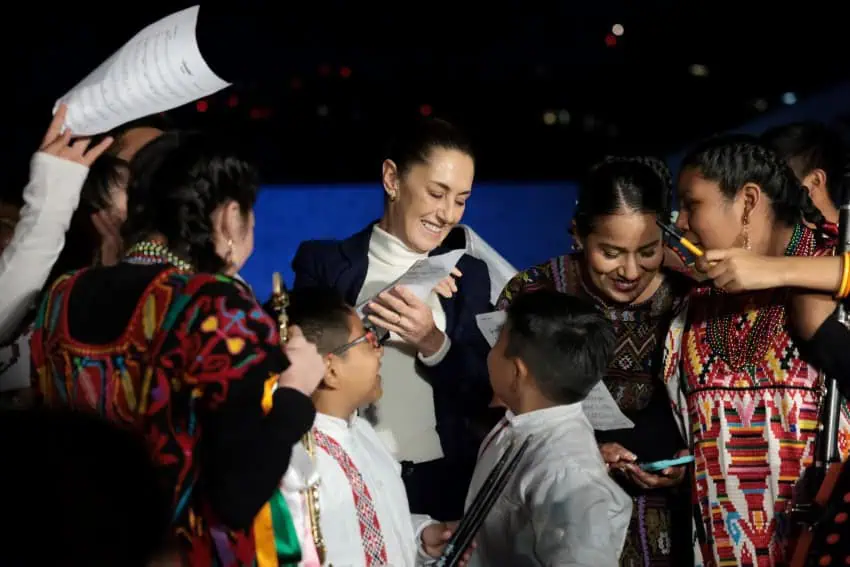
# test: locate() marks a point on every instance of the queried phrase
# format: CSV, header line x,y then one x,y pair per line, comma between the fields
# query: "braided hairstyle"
x,y
641,184
807,146
734,160
176,182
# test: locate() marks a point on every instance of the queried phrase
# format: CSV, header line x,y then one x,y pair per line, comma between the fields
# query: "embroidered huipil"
x,y
753,406
364,514
560,507
187,360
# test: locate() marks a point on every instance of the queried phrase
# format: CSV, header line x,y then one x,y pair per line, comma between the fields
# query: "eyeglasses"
x,y
369,337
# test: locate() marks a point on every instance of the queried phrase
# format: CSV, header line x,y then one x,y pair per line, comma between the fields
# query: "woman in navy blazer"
x,y
435,346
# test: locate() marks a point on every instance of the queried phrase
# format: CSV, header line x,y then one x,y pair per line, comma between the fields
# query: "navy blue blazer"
x,y
461,385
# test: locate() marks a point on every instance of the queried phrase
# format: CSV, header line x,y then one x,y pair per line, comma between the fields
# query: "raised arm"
x,y
737,269
57,173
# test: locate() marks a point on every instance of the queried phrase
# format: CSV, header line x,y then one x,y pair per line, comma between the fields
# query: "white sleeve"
x,y
438,356
579,520
420,522
50,199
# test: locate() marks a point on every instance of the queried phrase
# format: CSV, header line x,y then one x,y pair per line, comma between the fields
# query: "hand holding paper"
x,y
399,311
400,307
599,406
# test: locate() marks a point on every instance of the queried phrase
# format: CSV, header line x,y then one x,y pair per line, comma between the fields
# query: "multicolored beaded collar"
x,y
152,252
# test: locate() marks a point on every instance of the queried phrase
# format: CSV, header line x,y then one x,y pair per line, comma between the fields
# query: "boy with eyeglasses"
x,y
362,510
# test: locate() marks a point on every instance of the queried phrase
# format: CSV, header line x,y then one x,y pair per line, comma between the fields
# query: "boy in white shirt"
x,y
364,517
560,507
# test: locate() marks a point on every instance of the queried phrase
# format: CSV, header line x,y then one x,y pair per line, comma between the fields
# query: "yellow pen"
x,y
692,248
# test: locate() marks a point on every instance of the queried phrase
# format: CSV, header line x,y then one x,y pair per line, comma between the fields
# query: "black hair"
x,y
109,505
633,183
413,143
323,316
565,341
807,146
176,182
737,159
82,241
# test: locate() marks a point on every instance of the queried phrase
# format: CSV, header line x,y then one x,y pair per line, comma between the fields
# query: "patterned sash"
x,y
370,528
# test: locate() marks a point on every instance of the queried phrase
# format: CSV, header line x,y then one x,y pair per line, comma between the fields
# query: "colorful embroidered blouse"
x,y
753,405
191,361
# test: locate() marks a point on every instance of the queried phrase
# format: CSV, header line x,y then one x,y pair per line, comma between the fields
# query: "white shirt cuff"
x,y
420,522
438,356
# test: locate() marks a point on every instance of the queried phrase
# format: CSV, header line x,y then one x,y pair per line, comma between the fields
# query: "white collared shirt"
x,y
560,507
381,474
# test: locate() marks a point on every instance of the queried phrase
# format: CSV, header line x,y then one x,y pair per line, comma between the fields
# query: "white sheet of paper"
x,y
490,325
599,406
423,276
159,69
602,411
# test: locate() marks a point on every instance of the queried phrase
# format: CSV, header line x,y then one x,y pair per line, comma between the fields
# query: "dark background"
x,y
320,85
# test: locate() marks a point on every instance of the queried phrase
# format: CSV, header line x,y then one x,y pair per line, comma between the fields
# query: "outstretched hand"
x,y
60,144
737,269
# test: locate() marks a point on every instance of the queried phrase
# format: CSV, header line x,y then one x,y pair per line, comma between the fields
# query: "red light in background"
x,y
324,70
425,110
202,105
260,113
233,101
345,72
611,40
295,83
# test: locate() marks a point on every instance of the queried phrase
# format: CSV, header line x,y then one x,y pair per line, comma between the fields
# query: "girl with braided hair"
x,y
751,399
170,344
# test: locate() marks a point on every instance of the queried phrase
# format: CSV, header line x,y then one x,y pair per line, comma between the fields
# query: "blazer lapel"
x,y
355,251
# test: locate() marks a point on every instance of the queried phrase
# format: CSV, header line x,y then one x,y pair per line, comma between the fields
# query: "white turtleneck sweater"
x,y
404,416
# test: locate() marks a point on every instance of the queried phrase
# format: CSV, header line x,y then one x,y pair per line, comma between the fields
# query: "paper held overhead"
x,y
159,69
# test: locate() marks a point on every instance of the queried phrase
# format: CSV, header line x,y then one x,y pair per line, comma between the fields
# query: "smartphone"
x,y
661,465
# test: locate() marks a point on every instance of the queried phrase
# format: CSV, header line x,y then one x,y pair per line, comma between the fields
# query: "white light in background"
x,y
549,118
618,29
789,98
698,70
564,117
322,110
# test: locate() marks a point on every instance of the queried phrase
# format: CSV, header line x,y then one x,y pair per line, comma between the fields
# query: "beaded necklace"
x,y
152,252
746,328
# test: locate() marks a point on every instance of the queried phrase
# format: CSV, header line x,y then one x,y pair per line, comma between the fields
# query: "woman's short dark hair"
x,y
807,146
640,184
415,141
82,241
734,160
176,182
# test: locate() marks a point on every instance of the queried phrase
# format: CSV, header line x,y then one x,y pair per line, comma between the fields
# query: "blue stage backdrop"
x,y
526,223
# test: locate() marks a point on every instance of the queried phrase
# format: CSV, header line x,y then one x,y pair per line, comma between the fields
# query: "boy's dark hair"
x,y
323,315
565,342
